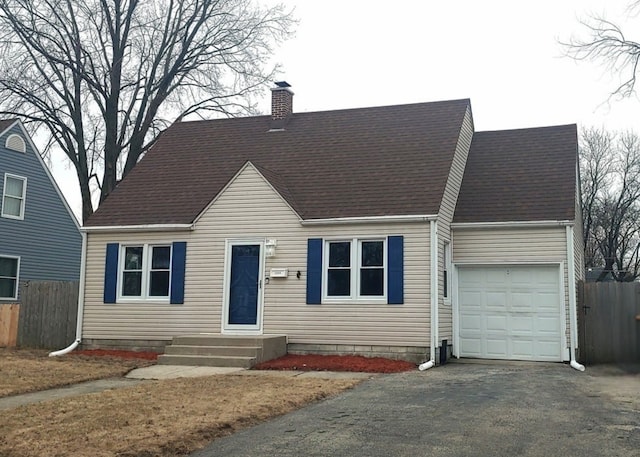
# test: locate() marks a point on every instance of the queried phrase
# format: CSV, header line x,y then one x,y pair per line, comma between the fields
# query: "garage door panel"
x,y
510,312
471,346
470,299
495,299
496,323
496,348
522,301
522,325
547,350
549,325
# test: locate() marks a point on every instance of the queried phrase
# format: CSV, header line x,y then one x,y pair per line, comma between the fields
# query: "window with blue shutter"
x,y
111,273
145,272
314,271
395,272
355,270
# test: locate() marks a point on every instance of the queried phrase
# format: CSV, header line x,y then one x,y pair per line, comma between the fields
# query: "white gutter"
x,y
510,224
371,219
140,228
83,263
573,324
433,250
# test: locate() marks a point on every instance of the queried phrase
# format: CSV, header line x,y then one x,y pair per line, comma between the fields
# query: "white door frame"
x,y
456,308
241,329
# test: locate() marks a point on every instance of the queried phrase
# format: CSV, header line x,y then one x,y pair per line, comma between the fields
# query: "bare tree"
x,y
608,44
105,77
610,181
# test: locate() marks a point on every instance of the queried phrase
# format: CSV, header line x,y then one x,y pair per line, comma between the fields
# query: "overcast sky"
x,y
503,55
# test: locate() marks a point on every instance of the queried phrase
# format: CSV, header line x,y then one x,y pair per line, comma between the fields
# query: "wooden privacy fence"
x,y
609,329
48,311
9,325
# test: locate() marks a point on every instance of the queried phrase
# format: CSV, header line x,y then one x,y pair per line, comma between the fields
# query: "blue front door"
x,y
244,284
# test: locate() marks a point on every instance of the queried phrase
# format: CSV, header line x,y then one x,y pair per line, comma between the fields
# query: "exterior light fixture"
x,y
270,248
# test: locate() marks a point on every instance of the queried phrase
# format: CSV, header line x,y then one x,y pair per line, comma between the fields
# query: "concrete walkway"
x,y
68,391
158,372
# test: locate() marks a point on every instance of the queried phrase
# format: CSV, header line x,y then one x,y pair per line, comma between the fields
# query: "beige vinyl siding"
x,y
516,245
445,216
250,208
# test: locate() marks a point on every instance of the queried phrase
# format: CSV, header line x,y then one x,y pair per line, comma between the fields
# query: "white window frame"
x,y
147,252
355,267
23,197
446,273
17,278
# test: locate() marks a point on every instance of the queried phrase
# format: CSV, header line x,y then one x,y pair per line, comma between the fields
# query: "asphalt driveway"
x,y
460,409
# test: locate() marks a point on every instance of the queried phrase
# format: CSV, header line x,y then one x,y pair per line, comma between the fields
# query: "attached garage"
x,y
513,312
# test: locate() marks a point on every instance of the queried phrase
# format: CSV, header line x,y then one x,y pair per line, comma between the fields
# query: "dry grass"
x,y
160,418
31,370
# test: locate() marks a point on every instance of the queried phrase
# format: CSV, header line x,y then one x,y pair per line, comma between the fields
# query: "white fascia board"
x,y
509,224
370,219
140,228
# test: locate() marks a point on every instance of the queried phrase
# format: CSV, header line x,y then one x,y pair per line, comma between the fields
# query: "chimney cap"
x,y
282,84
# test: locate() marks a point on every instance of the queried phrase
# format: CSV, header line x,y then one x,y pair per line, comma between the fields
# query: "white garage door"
x,y
511,312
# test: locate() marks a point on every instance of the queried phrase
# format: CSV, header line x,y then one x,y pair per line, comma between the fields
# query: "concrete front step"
x,y
223,350
229,351
226,340
207,360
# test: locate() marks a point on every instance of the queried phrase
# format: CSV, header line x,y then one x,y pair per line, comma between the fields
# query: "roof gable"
x,y
379,161
520,175
263,173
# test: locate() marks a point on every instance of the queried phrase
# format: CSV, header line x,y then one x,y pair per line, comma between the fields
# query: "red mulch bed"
x,y
315,362
117,353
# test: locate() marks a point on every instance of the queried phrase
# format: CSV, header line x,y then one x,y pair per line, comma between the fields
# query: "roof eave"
x,y
512,224
371,219
140,228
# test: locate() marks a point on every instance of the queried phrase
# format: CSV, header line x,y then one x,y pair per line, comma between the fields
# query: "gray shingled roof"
x,y
380,161
520,175
5,124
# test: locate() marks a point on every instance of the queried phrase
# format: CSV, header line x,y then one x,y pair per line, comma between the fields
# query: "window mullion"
x,y
355,265
146,270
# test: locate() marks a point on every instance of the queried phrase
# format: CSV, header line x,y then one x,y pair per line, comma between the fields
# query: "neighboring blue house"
x,y
39,236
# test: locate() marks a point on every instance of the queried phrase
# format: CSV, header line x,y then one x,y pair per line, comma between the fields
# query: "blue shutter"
x,y
178,266
395,270
314,271
111,272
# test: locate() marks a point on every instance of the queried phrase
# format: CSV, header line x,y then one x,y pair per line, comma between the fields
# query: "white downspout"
x,y
573,323
83,262
433,318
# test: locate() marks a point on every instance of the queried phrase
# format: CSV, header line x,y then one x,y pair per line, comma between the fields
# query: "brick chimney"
x,y
281,105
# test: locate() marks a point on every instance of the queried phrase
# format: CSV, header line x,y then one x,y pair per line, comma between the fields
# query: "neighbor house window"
x,y
9,267
145,271
355,269
13,196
